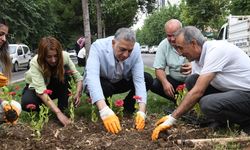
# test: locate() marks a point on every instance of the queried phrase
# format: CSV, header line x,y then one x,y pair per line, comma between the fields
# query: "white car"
x,y
73,56
153,49
20,56
144,48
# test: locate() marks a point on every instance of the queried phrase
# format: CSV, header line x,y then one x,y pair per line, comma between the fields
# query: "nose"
x,y
126,54
53,59
3,37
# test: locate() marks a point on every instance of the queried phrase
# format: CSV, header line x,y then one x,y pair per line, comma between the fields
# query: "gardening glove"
x,y
110,120
12,110
163,124
3,80
140,120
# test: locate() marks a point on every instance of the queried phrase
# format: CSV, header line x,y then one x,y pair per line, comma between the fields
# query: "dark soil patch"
x,y
84,134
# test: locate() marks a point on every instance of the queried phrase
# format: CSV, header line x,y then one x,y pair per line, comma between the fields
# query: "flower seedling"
x,y
137,101
181,93
73,91
38,123
116,106
119,107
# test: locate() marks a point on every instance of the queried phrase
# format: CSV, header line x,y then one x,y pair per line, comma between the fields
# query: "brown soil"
x,y
84,134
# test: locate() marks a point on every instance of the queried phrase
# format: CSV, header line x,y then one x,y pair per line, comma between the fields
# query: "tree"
x,y
204,14
240,7
152,33
86,23
99,18
32,20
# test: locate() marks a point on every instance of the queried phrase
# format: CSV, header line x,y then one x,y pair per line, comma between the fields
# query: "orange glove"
x,y
163,124
110,120
12,110
140,120
3,80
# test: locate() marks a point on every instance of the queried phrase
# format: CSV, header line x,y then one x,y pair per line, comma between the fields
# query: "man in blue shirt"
x,y
115,66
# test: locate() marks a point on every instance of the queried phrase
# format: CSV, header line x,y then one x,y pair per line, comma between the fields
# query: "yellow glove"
x,y
3,80
12,110
163,124
110,120
140,120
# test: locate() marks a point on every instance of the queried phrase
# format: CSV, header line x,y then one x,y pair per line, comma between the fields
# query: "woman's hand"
x,y
63,119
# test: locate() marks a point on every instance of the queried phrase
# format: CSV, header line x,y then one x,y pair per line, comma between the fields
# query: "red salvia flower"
x,y
49,92
119,103
31,106
17,87
180,87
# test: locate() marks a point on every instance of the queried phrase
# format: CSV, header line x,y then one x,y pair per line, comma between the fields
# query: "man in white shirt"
x,y
222,85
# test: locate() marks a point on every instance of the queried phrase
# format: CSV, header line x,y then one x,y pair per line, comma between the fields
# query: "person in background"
x,y
5,61
115,66
81,57
220,82
48,71
79,44
167,57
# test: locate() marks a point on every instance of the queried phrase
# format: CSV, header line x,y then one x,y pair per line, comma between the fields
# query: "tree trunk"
x,y
86,24
99,18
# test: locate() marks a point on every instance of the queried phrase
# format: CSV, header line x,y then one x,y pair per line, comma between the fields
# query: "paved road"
x,y
148,60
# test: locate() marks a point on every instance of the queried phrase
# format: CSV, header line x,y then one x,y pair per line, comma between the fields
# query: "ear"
x,y
113,43
194,42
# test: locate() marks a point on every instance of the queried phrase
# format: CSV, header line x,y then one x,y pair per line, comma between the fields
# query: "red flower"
x,y
17,87
47,92
137,98
12,93
89,100
119,103
180,87
31,106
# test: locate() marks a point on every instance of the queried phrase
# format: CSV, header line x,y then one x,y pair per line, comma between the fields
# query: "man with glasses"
x,y
115,66
168,58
